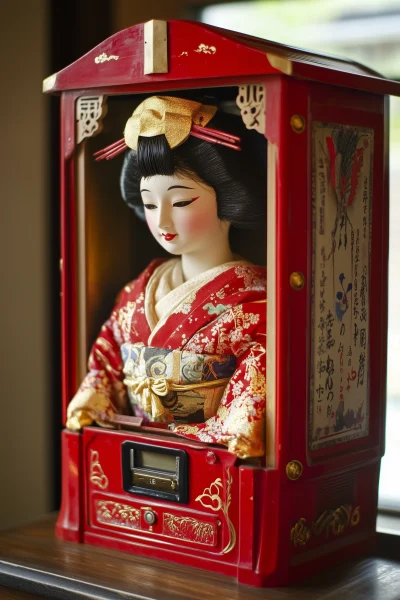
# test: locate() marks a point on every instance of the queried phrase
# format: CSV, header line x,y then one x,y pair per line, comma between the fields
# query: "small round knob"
x,y
150,517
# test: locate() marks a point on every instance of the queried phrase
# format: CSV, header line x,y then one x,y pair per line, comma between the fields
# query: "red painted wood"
x,y
264,503
69,522
68,252
230,53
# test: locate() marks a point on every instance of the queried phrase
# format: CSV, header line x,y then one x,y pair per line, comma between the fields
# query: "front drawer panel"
x,y
201,515
132,517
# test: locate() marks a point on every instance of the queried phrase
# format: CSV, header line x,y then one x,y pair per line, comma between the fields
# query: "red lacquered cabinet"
x,y
311,502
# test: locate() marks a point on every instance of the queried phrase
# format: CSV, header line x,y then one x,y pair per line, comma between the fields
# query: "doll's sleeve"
x,y
101,392
240,419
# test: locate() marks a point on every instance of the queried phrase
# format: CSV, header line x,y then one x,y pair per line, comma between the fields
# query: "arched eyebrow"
x,y
179,187
144,191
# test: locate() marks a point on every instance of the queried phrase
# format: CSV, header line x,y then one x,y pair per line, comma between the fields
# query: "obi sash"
x,y
175,385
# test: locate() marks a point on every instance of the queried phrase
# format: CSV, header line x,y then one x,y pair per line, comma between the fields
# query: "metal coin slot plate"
x,y
155,471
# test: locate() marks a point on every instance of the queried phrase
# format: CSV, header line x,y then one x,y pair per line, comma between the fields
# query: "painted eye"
x,y
183,203
150,206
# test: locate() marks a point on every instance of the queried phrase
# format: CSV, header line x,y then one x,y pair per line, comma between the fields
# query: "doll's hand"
x,y
89,406
78,419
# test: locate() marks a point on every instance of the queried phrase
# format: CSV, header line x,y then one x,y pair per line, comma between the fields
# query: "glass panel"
x,y
156,460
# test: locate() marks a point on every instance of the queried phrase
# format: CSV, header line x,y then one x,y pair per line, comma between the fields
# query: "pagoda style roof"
x,y
204,56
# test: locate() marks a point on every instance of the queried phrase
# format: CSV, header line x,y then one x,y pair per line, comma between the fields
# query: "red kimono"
x,y
213,327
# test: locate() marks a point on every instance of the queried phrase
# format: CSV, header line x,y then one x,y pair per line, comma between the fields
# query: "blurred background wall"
x,y
41,37
25,363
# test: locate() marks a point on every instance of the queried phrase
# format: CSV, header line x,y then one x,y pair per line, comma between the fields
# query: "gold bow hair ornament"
x,y
176,118
173,117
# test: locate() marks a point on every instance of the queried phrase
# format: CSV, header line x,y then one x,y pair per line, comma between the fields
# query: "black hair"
x,y
238,177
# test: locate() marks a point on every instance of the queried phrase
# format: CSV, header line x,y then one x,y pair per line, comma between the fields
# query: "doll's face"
x,y
181,213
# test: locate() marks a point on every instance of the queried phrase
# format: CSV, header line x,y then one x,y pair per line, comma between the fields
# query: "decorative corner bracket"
x,y
280,63
90,110
49,82
155,47
251,101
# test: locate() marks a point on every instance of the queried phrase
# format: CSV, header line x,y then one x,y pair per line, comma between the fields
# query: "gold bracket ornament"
x,y
97,475
90,110
155,47
210,498
294,469
331,521
251,101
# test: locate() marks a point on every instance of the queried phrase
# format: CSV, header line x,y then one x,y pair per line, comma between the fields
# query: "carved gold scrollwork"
x,y
188,528
117,514
90,111
251,101
300,533
330,521
210,498
97,476
103,57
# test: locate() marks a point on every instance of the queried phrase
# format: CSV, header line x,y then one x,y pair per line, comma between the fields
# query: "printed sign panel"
x,y
342,203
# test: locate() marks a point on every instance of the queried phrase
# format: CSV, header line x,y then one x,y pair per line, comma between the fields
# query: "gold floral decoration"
x,y
115,513
188,528
333,521
97,475
211,498
300,533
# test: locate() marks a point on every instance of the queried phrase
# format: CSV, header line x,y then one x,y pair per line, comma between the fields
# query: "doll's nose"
x,y
164,218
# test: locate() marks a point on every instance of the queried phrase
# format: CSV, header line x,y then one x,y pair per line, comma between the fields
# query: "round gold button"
x,y
297,280
294,469
297,123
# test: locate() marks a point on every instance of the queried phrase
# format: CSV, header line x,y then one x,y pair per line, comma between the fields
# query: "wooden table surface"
x,y
34,564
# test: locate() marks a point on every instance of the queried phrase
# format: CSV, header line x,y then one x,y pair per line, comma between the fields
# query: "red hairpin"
x,y
214,136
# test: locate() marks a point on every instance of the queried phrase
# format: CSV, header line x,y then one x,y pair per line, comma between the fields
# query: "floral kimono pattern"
x,y
222,317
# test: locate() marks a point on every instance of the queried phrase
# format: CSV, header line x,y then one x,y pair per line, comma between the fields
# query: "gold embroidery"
x,y
189,529
210,498
124,318
105,344
186,305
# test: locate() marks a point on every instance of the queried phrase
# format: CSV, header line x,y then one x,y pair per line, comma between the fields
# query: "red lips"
x,y
168,237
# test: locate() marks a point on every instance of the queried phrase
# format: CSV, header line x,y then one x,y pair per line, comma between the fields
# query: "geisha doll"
x,y
185,343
